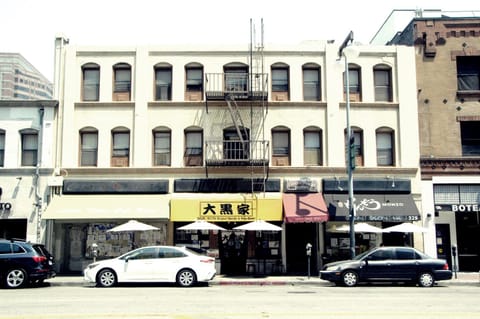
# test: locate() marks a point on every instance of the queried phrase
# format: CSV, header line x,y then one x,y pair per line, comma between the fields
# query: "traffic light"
x,y
351,152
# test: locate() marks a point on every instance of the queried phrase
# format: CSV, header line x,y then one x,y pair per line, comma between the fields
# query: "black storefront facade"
x,y
379,202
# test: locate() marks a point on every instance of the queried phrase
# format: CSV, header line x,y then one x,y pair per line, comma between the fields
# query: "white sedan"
x,y
153,264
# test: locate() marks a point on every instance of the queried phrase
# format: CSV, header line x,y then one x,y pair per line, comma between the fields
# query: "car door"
x,y
405,265
378,265
140,265
170,261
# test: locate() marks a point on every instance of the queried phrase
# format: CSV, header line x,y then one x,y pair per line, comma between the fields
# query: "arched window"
x,y
382,77
122,82
385,146
193,82
88,146
280,146
280,82
90,82
357,134
163,82
311,82
312,146
120,147
193,155
355,83
162,146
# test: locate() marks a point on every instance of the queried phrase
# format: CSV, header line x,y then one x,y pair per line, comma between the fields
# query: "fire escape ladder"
x,y
238,122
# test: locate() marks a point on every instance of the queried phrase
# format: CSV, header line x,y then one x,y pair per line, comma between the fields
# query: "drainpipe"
x,y
38,198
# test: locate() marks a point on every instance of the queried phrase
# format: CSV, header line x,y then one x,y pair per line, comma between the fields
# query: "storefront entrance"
x,y
299,235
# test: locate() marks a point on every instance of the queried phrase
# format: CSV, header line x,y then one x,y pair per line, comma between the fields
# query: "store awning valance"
x,y
304,208
374,207
108,207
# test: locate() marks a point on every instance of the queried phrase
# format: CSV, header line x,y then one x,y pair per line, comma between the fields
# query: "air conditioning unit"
x,y
54,181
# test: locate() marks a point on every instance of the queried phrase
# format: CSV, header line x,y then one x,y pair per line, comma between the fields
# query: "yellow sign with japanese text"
x,y
226,210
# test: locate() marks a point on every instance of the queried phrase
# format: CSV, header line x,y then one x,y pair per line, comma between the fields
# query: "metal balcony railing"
x,y
241,86
237,153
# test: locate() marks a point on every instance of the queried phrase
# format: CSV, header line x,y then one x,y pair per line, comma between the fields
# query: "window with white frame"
x,y
280,146
280,82
193,82
383,83
354,79
311,82
120,148
193,155
122,82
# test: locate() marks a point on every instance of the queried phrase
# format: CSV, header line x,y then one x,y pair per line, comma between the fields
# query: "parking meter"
x,y
309,253
454,259
94,251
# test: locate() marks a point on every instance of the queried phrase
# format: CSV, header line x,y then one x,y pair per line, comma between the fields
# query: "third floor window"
x,y
91,82
163,83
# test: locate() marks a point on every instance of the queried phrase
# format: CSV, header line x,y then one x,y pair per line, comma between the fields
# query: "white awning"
x,y
108,207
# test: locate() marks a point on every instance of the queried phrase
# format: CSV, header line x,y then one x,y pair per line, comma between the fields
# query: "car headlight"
x,y
333,268
92,265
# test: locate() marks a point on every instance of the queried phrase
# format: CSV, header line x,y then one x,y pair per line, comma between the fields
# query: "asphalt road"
x,y
241,302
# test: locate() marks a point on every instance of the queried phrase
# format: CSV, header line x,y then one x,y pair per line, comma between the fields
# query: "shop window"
x,y
385,150
468,73
120,148
193,155
161,147
354,79
88,147
193,82
91,82
163,82
29,147
311,82
122,82
280,82
382,76
312,147
2,148
470,135
280,146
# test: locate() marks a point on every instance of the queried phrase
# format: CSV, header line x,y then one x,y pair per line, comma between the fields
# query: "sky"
x,y
29,27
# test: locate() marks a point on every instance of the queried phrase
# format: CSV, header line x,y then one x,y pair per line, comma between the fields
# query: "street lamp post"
x,y
349,145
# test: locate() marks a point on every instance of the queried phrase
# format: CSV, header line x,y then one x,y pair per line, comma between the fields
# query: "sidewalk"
x,y
463,278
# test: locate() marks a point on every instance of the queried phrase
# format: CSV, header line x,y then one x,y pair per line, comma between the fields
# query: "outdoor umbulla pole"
x,y
350,145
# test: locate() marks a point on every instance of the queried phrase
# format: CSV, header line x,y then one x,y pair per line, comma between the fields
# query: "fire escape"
x,y
242,90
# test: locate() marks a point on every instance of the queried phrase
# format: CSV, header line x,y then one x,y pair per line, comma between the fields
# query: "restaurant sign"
x,y
227,211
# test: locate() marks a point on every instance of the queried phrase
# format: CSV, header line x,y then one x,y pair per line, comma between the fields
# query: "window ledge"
x,y
468,94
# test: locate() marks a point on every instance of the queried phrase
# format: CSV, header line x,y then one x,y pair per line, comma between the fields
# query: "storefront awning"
x,y
108,207
304,208
373,207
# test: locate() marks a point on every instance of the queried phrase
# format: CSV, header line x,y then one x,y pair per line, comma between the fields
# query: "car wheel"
x,y
350,278
426,279
186,278
15,278
106,278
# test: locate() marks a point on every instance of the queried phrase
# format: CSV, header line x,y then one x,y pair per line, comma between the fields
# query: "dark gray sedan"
x,y
388,264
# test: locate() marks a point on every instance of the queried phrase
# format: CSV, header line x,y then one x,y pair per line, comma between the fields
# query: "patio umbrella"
x,y
407,228
201,225
132,225
362,228
259,225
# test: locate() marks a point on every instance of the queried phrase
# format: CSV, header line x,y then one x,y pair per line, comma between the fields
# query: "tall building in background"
x,y
19,80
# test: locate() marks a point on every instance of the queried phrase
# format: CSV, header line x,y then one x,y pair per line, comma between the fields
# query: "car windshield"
x,y
360,256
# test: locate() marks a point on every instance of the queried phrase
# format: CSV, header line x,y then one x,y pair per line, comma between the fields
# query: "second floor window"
x,y
29,148
355,90
468,73
194,83
280,83
280,147
193,148
358,146
122,77
120,148
470,135
88,148
163,84
383,85
311,84
161,148
2,148
91,82
312,152
385,155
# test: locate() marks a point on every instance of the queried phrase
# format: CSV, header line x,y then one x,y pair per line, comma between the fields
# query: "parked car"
x,y
390,264
22,263
153,264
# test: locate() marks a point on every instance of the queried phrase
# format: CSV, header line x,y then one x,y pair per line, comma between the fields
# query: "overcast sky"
x,y
29,27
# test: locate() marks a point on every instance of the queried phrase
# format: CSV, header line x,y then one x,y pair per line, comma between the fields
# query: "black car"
x,y
22,263
389,264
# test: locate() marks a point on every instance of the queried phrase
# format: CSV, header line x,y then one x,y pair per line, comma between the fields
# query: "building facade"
x,y
447,50
19,80
172,134
27,135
